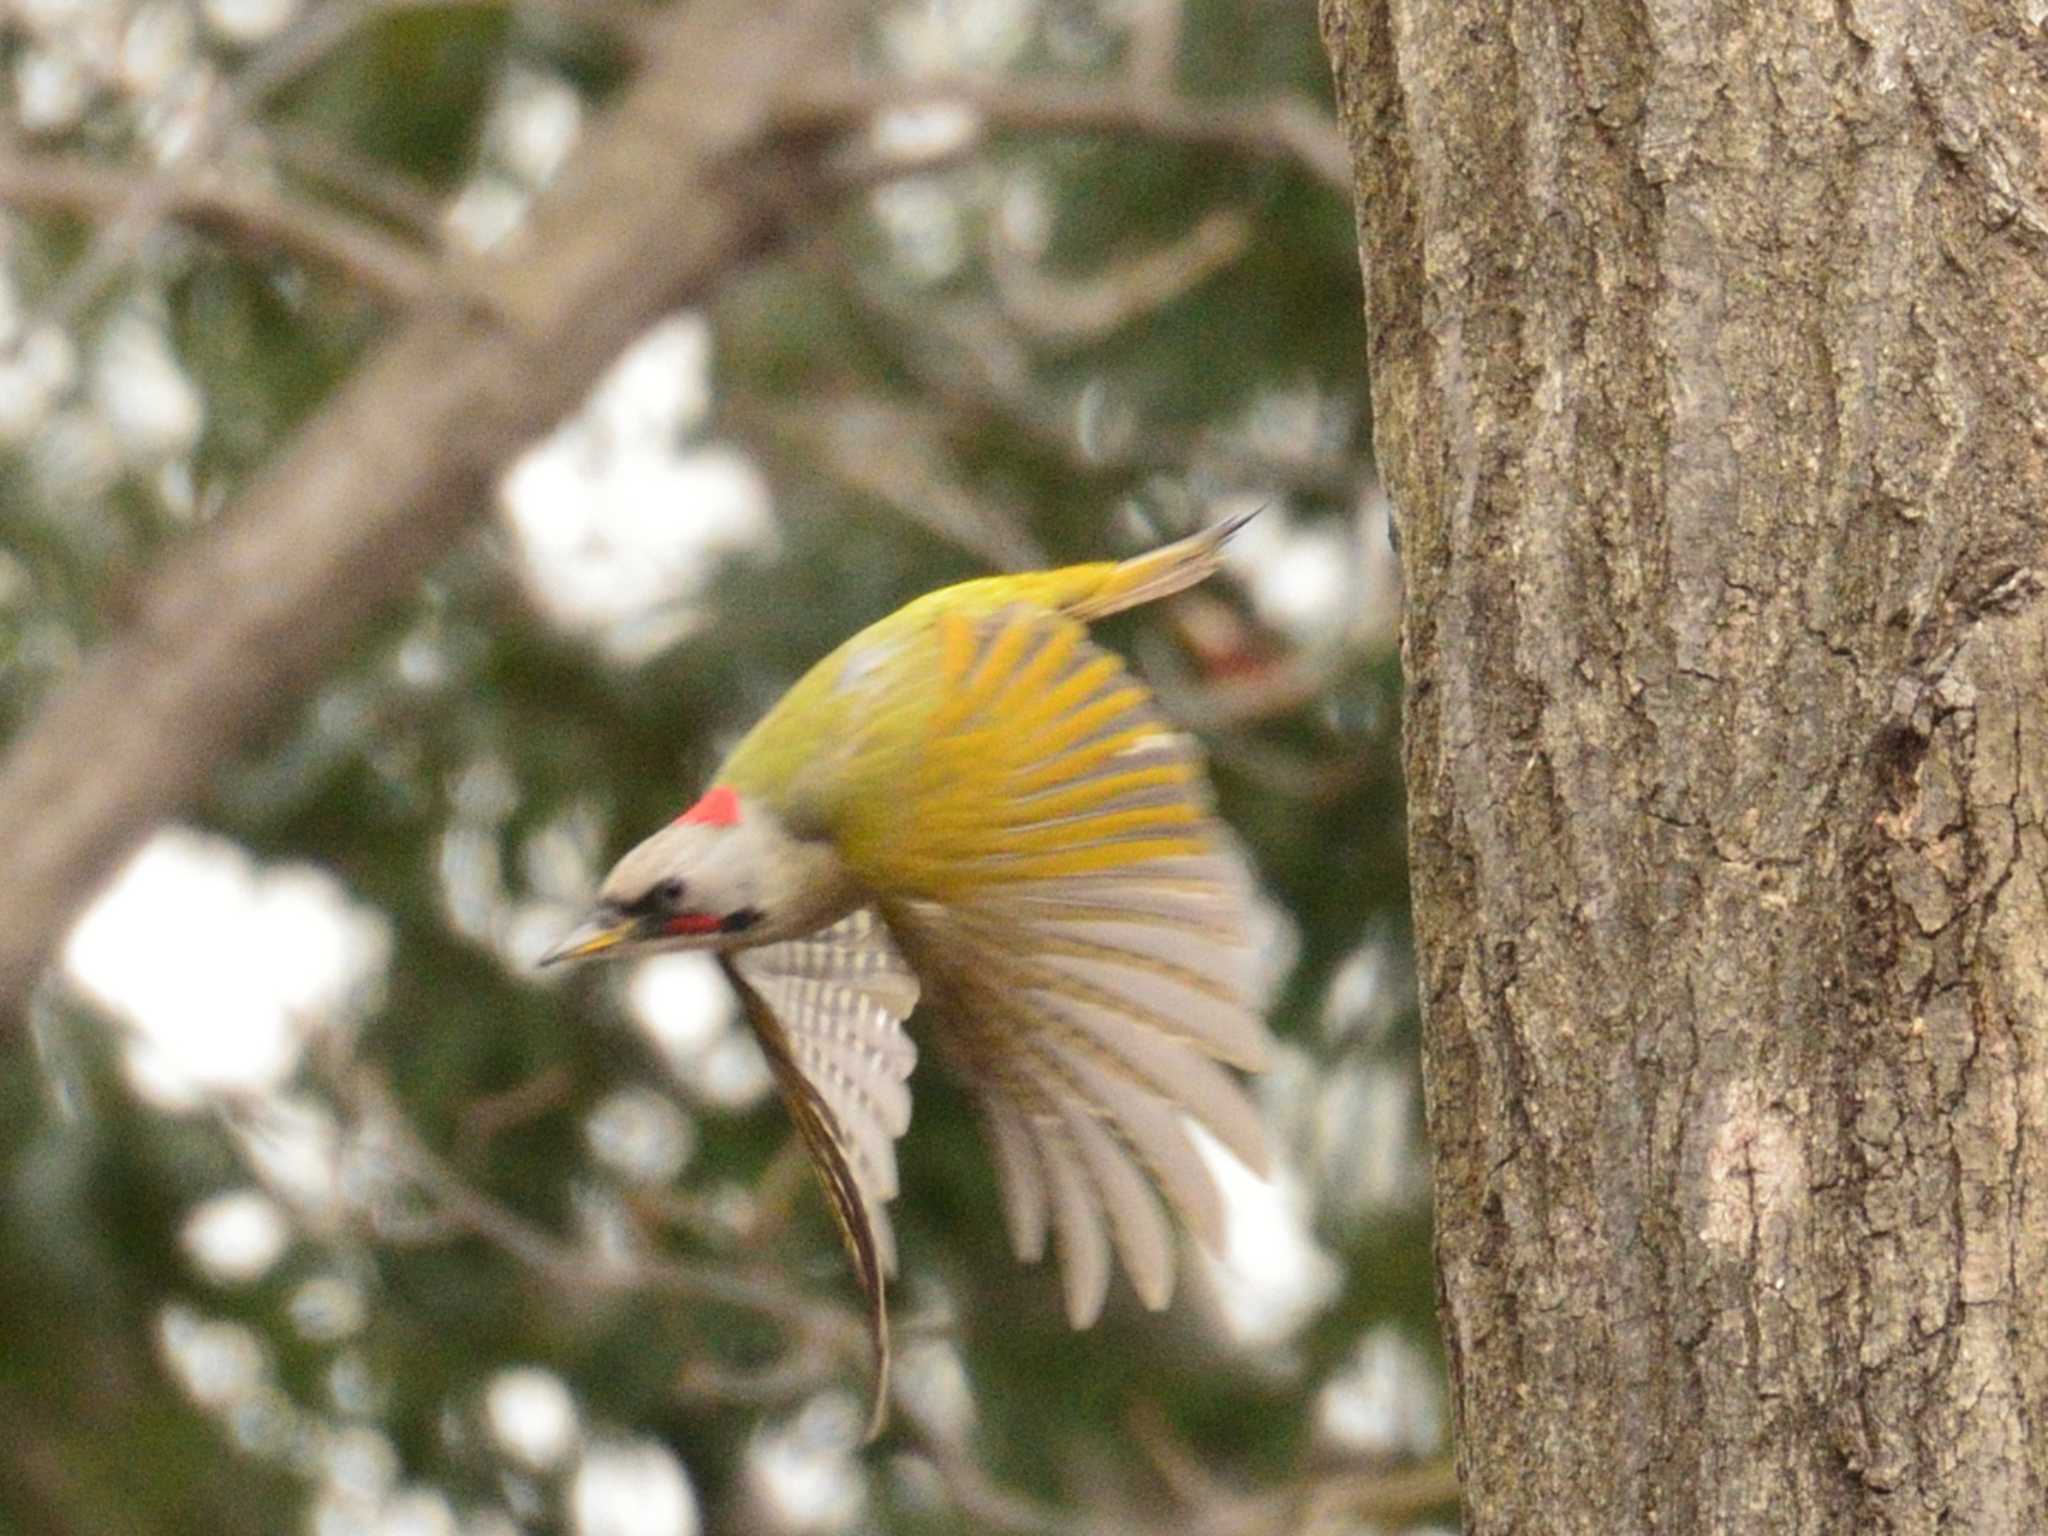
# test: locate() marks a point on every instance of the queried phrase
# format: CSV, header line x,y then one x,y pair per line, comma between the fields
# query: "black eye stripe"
x,y
657,900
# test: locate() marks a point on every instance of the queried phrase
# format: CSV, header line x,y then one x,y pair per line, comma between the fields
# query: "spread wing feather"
x,y
828,1010
1079,926
1019,1176
1077,1218
1154,1133
1136,1224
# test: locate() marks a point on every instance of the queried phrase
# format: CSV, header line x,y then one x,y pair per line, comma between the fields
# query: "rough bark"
x,y
388,474
1708,365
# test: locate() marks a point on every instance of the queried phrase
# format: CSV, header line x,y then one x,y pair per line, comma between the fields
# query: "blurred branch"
x,y
577,1272
255,218
384,479
772,1202
776,1192
1085,309
38,1486
157,195
983,1500
489,1116
803,1370
1283,128
1316,1503
969,358
1247,679
152,197
1198,1503
1339,1502
382,189
894,453
1152,49
991,1506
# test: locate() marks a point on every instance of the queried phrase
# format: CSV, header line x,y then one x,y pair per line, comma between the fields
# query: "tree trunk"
x,y
1710,366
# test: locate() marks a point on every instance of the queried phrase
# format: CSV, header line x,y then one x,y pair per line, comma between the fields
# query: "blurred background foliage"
x,y
319,1209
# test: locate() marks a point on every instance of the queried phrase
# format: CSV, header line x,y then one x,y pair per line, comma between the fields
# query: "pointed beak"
x,y
593,936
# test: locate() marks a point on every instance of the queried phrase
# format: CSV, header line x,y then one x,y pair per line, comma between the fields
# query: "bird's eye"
x,y
656,901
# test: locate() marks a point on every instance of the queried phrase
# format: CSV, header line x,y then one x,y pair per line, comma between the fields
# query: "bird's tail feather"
x,y
1160,573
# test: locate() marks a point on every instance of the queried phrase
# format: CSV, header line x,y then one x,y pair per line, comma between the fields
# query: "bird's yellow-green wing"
x,y
834,755
1056,879
828,1010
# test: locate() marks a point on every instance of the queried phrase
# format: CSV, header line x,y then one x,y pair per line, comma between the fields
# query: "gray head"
x,y
723,875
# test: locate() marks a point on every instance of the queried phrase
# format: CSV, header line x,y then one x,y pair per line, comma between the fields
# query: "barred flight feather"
x,y
828,1010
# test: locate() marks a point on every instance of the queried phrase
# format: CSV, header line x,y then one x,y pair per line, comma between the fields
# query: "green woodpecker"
x,y
972,806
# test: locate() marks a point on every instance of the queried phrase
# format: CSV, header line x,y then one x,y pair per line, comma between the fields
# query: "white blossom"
x,y
632,1488
236,1237
531,1415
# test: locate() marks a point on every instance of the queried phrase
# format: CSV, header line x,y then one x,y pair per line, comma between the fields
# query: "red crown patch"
x,y
720,807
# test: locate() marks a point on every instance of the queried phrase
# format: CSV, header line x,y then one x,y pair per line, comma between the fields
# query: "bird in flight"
x,y
973,810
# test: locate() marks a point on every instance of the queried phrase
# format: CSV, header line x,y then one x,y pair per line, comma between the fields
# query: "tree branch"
x,y
378,188
895,453
968,358
249,216
573,1271
1284,128
1068,311
170,189
384,479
